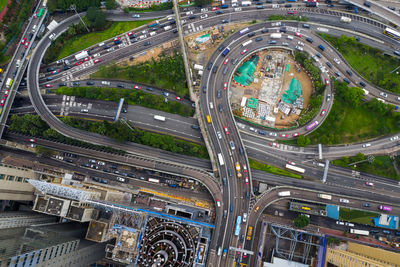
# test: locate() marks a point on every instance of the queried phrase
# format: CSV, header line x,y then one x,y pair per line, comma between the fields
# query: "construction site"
x,y
269,88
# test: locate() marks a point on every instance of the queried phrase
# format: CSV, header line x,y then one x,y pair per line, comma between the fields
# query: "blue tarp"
x,y
393,222
332,211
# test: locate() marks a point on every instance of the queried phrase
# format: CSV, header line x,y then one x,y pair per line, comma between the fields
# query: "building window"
x,y
10,178
2,176
20,179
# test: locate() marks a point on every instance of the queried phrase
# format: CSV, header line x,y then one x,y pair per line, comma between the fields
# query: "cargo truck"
x,y
81,55
325,196
276,35
166,28
284,194
9,83
345,19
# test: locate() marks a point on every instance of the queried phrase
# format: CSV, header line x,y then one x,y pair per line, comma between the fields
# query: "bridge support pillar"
x,y
325,171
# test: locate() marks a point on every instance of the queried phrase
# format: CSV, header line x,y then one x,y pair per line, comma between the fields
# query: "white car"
x,y
300,43
183,21
204,10
203,16
244,217
219,135
299,48
394,138
105,82
336,60
120,179
52,36
339,223
343,200
101,163
383,94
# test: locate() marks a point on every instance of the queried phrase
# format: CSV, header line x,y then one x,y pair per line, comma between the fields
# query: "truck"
x,y
81,55
321,47
345,19
275,35
325,196
224,6
311,4
152,25
284,194
359,232
166,28
9,83
226,51
159,118
246,3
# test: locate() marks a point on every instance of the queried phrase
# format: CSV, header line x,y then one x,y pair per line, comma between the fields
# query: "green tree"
x,y
110,4
202,2
301,221
303,141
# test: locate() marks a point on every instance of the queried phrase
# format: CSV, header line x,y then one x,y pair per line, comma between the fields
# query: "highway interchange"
x,y
254,144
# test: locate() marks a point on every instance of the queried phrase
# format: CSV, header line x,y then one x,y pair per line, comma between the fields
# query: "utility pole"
x,y
73,7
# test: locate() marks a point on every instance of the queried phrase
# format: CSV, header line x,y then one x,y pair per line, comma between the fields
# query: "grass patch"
x,y
271,169
166,72
3,4
159,7
132,97
382,165
287,17
351,120
369,62
80,42
357,216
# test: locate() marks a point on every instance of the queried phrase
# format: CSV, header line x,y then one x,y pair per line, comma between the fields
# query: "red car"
x,y
291,12
97,60
369,183
239,247
214,8
86,59
116,39
226,61
2,102
23,41
284,135
226,130
244,168
26,45
48,85
55,72
78,63
32,140
295,134
326,81
243,52
139,87
323,112
179,98
225,85
6,93
246,180
131,33
298,34
273,144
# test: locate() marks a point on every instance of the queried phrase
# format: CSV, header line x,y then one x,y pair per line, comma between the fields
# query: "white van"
x,y
101,44
34,28
366,145
211,105
152,33
289,37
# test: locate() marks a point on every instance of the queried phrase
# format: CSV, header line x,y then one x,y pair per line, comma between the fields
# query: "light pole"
x,y
73,7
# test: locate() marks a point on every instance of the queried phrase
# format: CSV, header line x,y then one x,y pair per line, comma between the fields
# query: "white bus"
x,y
81,55
325,196
359,232
220,159
244,31
294,168
247,43
154,180
159,118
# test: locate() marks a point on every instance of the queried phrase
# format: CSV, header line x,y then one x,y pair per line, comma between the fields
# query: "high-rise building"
x,y
14,183
56,245
13,219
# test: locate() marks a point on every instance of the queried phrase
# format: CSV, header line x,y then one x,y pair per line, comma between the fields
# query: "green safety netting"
x,y
244,74
293,92
252,103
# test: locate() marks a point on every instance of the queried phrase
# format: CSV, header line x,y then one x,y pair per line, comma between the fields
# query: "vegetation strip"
x,y
271,169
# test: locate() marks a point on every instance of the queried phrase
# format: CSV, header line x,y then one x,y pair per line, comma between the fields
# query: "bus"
x,y
325,196
208,119
220,159
312,125
40,13
237,227
244,31
154,180
294,168
359,232
247,43
249,233
305,208
392,33
385,208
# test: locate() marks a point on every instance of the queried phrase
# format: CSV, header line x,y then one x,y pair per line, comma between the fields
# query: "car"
x,y
391,139
336,60
343,200
218,202
131,34
97,60
243,52
86,59
292,163
226,61
300,43
55,72
383,94
298,34
138,87
214,8
326,81
349,224
23,41
273,134
318,55
339,223
369,184
291,12
366,145
26,45
226,130
179,98
246,180
225,85
273,144
284,135
218,94
244,168
136,16
120,179
219,135
32,140
6,93
295,134
49,85
232,144
116,39
367,205
323,112
101,163
238,252
328,97
203,16
78,63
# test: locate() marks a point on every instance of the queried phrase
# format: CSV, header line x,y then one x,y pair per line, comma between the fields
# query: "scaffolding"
x,y
61,190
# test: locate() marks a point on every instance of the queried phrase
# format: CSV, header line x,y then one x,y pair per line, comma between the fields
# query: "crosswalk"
x,y
192,28
69,102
